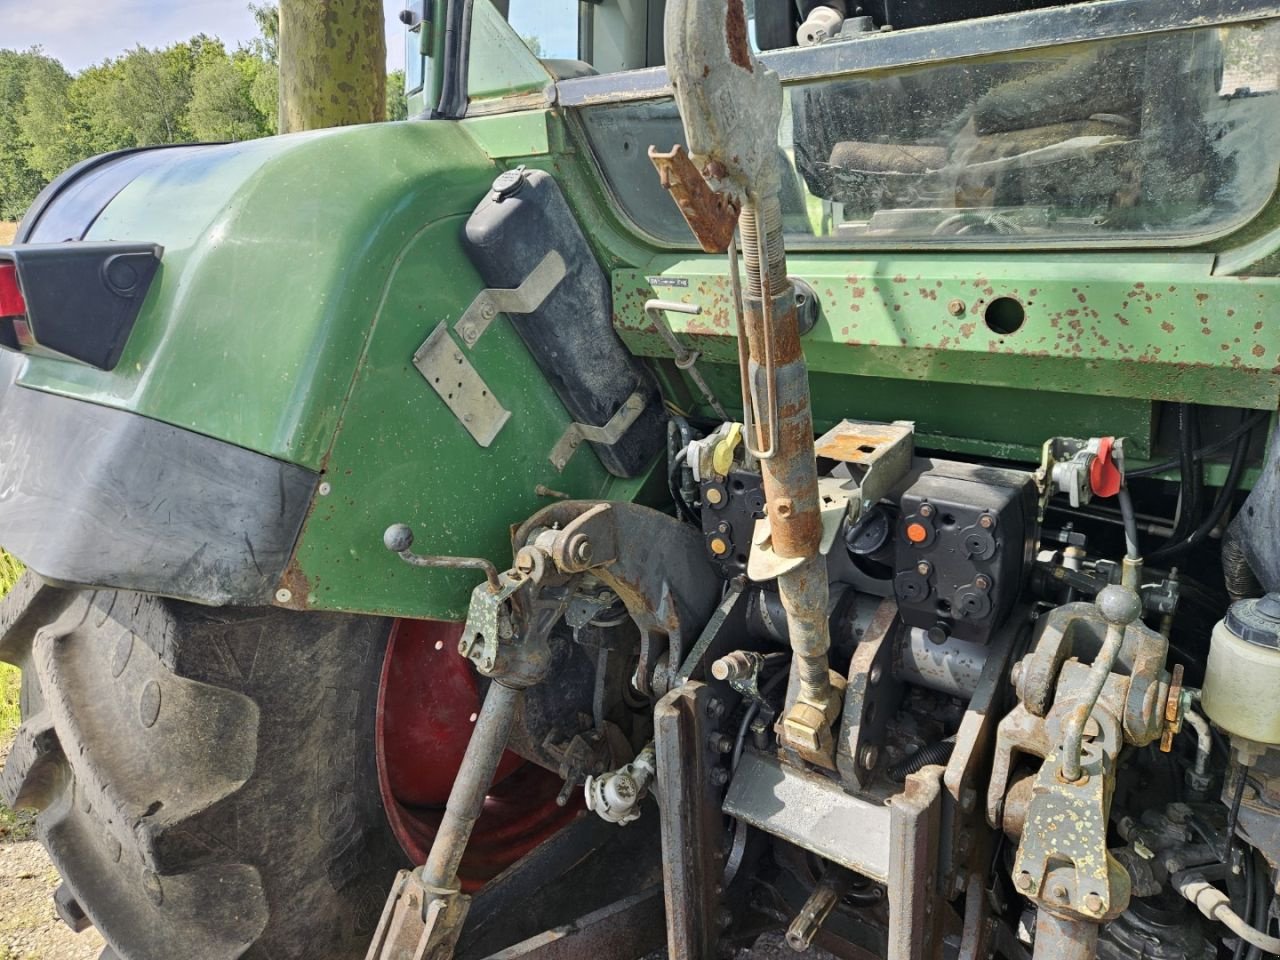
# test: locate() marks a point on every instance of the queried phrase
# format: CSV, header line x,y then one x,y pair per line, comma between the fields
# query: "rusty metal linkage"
x,y
711,216
399,540
730,106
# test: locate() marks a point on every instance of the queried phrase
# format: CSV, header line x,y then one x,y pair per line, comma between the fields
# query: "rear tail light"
x,y
13,309
11,302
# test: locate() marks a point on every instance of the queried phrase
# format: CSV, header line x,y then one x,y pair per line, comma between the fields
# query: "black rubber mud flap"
x,y
205,779
570,334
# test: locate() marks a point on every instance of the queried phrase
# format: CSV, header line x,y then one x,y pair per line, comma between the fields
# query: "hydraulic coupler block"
x,y
965,546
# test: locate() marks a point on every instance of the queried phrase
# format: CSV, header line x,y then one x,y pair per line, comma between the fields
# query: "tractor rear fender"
x,y
265,421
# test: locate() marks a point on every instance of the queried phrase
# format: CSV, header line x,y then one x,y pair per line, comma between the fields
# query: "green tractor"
x,y
797,467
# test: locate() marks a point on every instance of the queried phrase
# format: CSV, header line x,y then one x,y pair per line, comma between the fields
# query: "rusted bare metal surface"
x,y
1064,938
870,697
412,912
693,861
711,216
915,913
1120,606
466,798
656,565
808,922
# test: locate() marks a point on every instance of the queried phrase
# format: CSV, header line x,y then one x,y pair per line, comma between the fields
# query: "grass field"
x,y
12,826
7,230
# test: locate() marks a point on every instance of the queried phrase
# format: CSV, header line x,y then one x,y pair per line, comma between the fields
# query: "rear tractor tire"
x,y
205,778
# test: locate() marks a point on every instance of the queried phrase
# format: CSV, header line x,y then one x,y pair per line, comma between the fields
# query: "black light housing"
x,y
78,300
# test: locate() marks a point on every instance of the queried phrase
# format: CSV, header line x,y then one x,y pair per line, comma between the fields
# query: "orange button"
x,y
917,532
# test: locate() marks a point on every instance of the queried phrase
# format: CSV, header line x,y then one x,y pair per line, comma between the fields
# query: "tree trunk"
x,y
333,63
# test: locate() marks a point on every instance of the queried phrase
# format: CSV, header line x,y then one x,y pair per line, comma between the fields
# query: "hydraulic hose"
x,y
928,755
1230,486
1216,905
1130,520
1240,580
1251,423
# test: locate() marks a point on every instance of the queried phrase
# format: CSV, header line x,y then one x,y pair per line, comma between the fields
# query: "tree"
x,y
151,90
397,102
19,181
333,61
222,102
267,45
47,122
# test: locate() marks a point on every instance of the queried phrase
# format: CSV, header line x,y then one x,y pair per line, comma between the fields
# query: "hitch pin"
x,y
399,540
685,358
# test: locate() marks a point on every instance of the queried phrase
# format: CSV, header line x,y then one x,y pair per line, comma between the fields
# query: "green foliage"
x,y
223,104
13,826
397,101
267,46
10,571
19,181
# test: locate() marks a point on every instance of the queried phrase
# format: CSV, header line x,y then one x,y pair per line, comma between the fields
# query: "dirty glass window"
x,y
1165,138
521,46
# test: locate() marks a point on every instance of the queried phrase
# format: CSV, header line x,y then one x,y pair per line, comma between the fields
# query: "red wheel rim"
x,y
427,702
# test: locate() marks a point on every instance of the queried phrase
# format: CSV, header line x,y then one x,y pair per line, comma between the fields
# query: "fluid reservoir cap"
x,y
1256,621
508,183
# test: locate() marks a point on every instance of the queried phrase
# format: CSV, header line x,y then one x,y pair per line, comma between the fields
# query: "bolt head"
x,y
284,596
986,521
923,568
1023,882
1093,903
982,582
868,756
956,308
1059,892
719,776
580,550
926,510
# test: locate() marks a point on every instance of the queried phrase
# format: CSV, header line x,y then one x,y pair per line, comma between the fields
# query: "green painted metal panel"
x,y
1142,327
401,456
277,256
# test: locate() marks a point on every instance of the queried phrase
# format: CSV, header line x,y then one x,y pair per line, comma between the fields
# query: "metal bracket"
x,y
608,435
876,455
461,388
526,298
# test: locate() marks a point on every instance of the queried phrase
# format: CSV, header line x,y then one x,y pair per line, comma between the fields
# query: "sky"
x,y
84,32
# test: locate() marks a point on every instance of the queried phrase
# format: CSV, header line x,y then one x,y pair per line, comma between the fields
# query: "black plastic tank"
x,y
570,334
